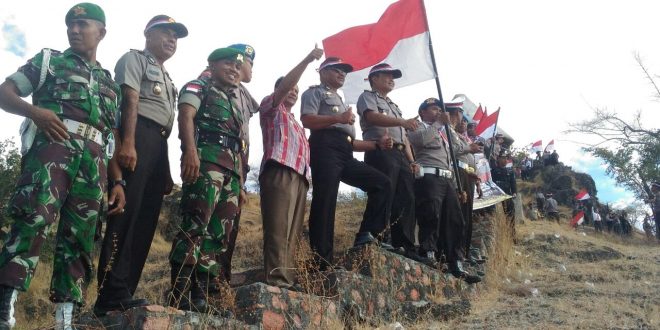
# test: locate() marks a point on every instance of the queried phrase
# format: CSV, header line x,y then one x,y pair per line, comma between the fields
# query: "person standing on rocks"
x,y
441,224
149,101
284,177
64,173
210,132
332,142
381,118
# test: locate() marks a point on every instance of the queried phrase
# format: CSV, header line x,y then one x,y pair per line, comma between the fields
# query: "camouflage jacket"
x,y
73,89
217,114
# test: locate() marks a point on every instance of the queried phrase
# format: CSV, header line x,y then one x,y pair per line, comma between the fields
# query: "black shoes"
x,y
366,238
456,269
101,308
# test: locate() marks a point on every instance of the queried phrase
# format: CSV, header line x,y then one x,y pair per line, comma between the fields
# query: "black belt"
x,y
233,143
150,123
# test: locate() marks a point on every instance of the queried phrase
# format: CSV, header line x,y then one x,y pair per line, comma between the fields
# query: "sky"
x,y
544,63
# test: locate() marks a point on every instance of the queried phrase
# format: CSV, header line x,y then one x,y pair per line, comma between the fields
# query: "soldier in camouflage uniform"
x,y
64,174
210,130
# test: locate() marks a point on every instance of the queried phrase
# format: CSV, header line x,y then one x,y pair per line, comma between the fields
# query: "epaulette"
x,y
314,86
150,58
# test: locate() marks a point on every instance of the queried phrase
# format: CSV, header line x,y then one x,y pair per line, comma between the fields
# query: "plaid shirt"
x,y
284,138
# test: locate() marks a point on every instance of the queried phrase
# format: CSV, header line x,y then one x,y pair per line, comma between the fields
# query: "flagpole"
x,y
452,156
492,139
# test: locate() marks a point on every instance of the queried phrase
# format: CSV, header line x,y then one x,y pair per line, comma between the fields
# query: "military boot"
x,y
181,277
8,297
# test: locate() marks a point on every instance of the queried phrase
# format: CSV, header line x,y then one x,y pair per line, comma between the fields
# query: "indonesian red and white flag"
x,y
400,38
578,219
536,146
487,125
582,195
478,115
550,147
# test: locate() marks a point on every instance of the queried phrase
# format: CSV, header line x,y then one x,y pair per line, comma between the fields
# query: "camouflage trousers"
x,y
208,208
59,179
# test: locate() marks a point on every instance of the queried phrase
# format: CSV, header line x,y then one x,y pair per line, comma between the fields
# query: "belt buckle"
x,y
400,147
163,132
349,139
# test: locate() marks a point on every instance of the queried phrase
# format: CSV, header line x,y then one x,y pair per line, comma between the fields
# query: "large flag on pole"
x,y
487,126
399,38
578,219
550,147
478,115
582,195
536,146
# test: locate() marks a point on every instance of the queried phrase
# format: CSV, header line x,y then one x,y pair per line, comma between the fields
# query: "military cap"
x,y
335,62
85,10
225,53
384,67
167,22
429,102
247,50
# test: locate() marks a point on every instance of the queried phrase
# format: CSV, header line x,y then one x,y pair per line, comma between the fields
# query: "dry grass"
x,y
617,292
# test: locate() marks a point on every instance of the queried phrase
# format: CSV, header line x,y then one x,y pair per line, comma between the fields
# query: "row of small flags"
x,y
538,145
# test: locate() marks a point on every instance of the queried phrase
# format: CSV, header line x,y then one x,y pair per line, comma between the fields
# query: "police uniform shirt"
x,y
430,147
248,106
320,100
140,71
372,101
462,149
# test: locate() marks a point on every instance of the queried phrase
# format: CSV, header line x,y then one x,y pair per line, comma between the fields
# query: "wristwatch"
x,y
120,182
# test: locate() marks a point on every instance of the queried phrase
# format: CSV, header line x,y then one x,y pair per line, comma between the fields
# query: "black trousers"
x,y
128,235
331,160
468,184
394,164
441,225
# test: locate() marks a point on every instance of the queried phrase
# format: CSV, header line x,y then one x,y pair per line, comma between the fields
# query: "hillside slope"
x,y
560,278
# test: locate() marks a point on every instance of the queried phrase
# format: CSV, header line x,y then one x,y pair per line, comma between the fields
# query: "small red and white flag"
x,y
192,87
478,115
550,147
582,195
487,125
578,219
536,146
400,38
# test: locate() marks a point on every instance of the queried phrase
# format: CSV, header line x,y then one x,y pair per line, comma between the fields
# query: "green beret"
x,y
226,53
85,10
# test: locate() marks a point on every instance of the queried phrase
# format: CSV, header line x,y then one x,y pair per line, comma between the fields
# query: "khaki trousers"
x,y
283,196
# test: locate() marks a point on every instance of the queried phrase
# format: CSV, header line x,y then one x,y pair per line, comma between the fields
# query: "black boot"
x,y
181,277
456,269
6,306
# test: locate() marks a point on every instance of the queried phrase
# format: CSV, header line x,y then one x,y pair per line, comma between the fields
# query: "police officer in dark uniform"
x,y
464,149
147,119
332,142
506,180
379,118
441,225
